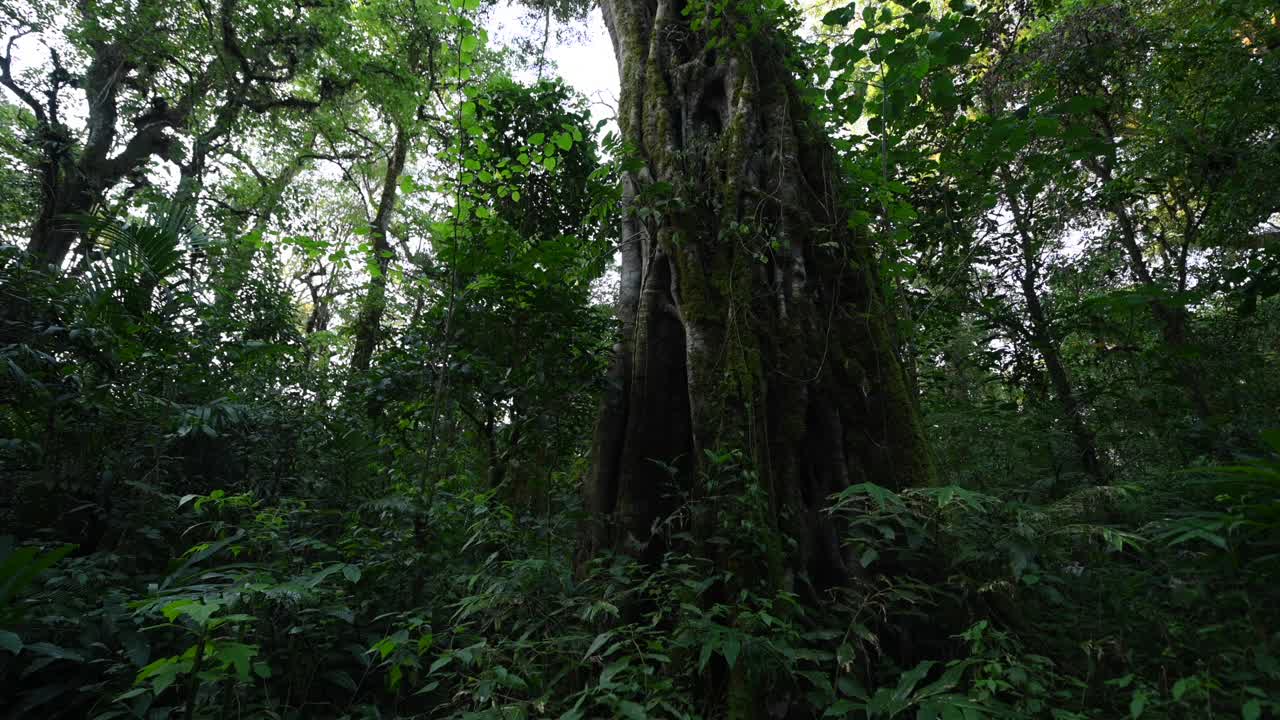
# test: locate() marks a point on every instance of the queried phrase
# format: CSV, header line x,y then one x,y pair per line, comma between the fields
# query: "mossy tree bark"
x,y
751,314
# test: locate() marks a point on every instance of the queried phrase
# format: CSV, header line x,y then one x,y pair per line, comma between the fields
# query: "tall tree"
x,y
751,316
403,78
374,304
1161,103
526,270
146,92
1044,337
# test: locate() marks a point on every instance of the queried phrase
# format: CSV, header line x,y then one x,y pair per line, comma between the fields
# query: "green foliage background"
x,y
208,513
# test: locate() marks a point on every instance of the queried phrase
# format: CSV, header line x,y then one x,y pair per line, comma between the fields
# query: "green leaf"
x,y
509,679
607,675
1047,126
842,708
10,642
537,138
236,655
163,673
1251,710
911,678
21,567
440,662
427,688
53,651
470,43
850,686
1121,682
1137,704
341,678
596,644
388,645
732,645
839,16
549,163
1083,104
351,572
198,611
1272,439
130,694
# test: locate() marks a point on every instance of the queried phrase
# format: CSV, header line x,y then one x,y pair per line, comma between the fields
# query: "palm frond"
x,y
135,259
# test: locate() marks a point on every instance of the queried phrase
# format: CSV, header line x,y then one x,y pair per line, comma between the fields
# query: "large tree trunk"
x,y
751,315
73,184
57,227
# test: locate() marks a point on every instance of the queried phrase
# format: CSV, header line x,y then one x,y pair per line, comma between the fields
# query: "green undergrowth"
x,y
1105,603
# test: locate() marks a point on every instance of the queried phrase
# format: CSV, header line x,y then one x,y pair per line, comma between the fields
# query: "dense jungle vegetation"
x,y
868,360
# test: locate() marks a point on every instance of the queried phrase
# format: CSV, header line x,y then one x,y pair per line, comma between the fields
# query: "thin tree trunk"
x,y
321,296
274,190
1047,343
192,172
241,247
497,467
1171,318
369,325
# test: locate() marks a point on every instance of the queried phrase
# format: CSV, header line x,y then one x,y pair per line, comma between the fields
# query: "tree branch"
x,y
7,79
